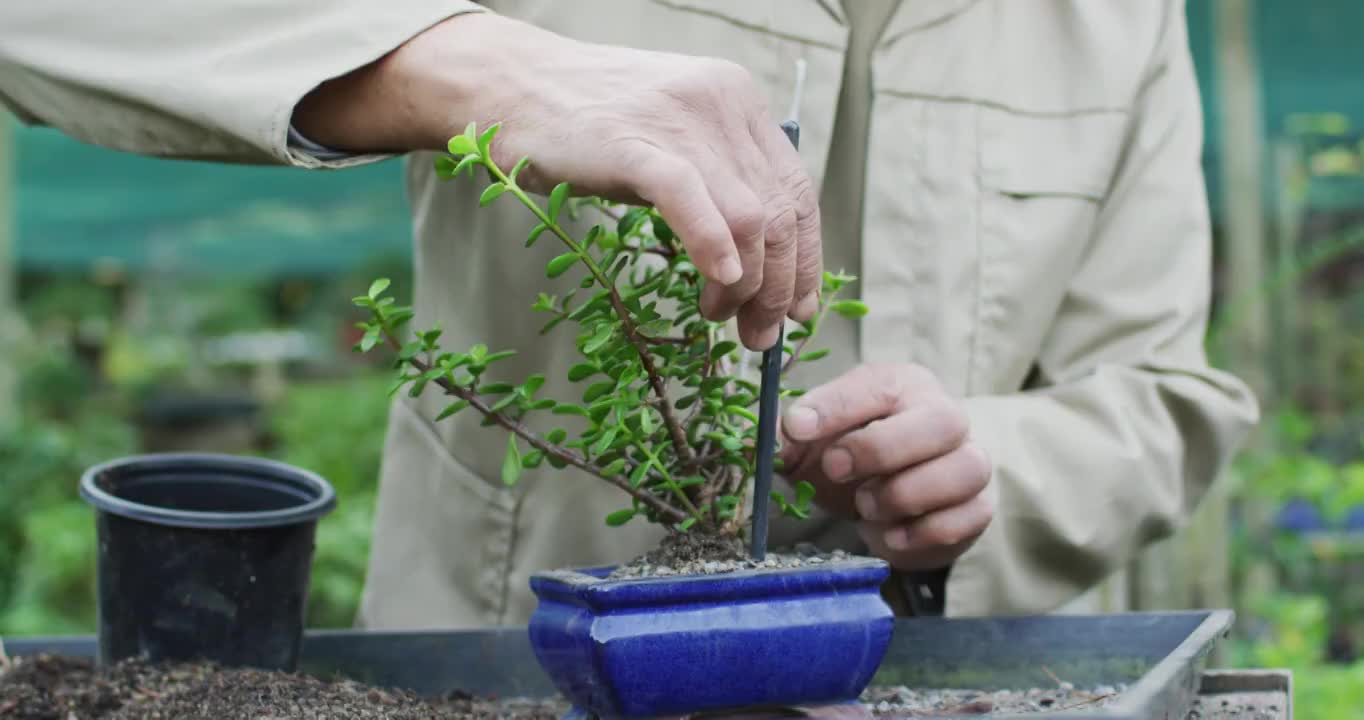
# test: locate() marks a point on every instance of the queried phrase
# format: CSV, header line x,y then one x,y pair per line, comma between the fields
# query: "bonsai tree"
x,y
669,420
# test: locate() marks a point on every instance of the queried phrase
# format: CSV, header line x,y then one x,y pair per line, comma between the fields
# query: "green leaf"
x,y
376,287
637,475
370,339
535,233
581,371
805,492
452,408
814,355
518,167
798,334
504,403
685,525
556,435
496,388
511,463
499,355
486,139
559,265
614,467
556,199
620,517
721,349
598,389
445,167
569,409
466,162
731,444
603,336
849,308
646,421
531,386
461,145
533,459
604,442
491,193
656,328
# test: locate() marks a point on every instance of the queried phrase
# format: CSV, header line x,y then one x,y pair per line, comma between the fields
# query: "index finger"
x,y
780,147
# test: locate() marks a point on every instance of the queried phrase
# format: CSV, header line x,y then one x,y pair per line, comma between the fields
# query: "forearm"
x,y
1087,473
418,96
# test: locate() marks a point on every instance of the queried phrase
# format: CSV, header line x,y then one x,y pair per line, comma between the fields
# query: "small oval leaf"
x,y
461,145
620,517
511,463
556,199
493,192
581,371
559,265
849,308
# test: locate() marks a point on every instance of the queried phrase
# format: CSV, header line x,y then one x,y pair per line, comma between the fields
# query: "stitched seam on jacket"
x,y
1078,112
748,25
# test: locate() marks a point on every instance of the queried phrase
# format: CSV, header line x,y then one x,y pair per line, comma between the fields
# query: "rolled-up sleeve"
x,y
1128,425
207,81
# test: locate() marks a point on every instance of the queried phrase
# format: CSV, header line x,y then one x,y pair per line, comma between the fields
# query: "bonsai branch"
x,y
533,439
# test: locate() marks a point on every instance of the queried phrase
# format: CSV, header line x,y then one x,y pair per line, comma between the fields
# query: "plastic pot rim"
x,y
324,499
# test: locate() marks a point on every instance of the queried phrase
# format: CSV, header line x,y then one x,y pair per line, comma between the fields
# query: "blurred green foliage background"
x,y
166,305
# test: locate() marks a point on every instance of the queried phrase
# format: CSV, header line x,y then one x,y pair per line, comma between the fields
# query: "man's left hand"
x,y
888,446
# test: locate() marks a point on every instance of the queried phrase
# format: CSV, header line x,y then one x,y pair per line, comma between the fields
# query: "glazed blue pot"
x,y
667,646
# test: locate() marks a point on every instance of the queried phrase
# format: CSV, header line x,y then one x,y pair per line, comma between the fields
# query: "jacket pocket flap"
x,y
1050,155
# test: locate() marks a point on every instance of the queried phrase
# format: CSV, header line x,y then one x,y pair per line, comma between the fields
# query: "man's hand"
x,y
690,136
885,444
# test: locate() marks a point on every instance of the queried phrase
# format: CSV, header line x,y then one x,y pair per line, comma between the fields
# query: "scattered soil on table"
x,y
53,688
698,554
907,702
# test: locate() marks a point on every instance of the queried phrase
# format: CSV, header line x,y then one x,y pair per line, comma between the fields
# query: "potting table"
x,y
1159,656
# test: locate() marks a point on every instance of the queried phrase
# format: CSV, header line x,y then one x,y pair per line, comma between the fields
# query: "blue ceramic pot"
x,y
649,647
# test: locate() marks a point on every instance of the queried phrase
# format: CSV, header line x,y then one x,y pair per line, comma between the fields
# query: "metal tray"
x,y
1160,656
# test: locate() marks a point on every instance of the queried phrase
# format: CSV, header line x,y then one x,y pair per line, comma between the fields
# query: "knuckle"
x,y
747,223
900,495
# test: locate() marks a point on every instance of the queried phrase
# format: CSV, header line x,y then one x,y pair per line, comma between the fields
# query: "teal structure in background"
x,y
78,205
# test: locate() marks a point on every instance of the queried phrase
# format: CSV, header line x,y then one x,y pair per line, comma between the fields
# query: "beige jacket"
x,y
1036,233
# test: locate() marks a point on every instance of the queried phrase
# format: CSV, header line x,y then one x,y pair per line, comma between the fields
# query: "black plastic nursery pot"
x,y
204,557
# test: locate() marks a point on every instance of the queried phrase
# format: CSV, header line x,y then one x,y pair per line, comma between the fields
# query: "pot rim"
x,y
323,495
588,587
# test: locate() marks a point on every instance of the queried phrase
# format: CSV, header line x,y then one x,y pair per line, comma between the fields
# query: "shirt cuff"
x,y
301,144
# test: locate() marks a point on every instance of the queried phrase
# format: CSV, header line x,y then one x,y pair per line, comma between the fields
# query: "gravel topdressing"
x,y
696,554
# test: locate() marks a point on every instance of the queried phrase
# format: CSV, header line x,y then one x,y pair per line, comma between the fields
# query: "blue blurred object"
x,y
1354,519
673,646
1299,515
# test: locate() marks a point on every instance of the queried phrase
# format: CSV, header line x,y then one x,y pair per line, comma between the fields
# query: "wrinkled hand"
x,y
886,445
691,136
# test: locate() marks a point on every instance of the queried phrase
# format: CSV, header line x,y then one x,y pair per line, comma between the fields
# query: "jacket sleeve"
x,y
194,80
1126,426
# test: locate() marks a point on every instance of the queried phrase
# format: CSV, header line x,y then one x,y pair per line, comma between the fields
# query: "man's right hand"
x,y
690,136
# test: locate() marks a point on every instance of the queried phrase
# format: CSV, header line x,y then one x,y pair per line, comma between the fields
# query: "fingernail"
x,y
897,538
802,423
807,307
729,271
838,463
866,505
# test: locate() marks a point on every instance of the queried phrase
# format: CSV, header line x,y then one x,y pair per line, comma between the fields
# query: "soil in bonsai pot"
x,y
695,553
61,688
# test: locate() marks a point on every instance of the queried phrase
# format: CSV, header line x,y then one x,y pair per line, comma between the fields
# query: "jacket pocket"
x,y
1043,182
